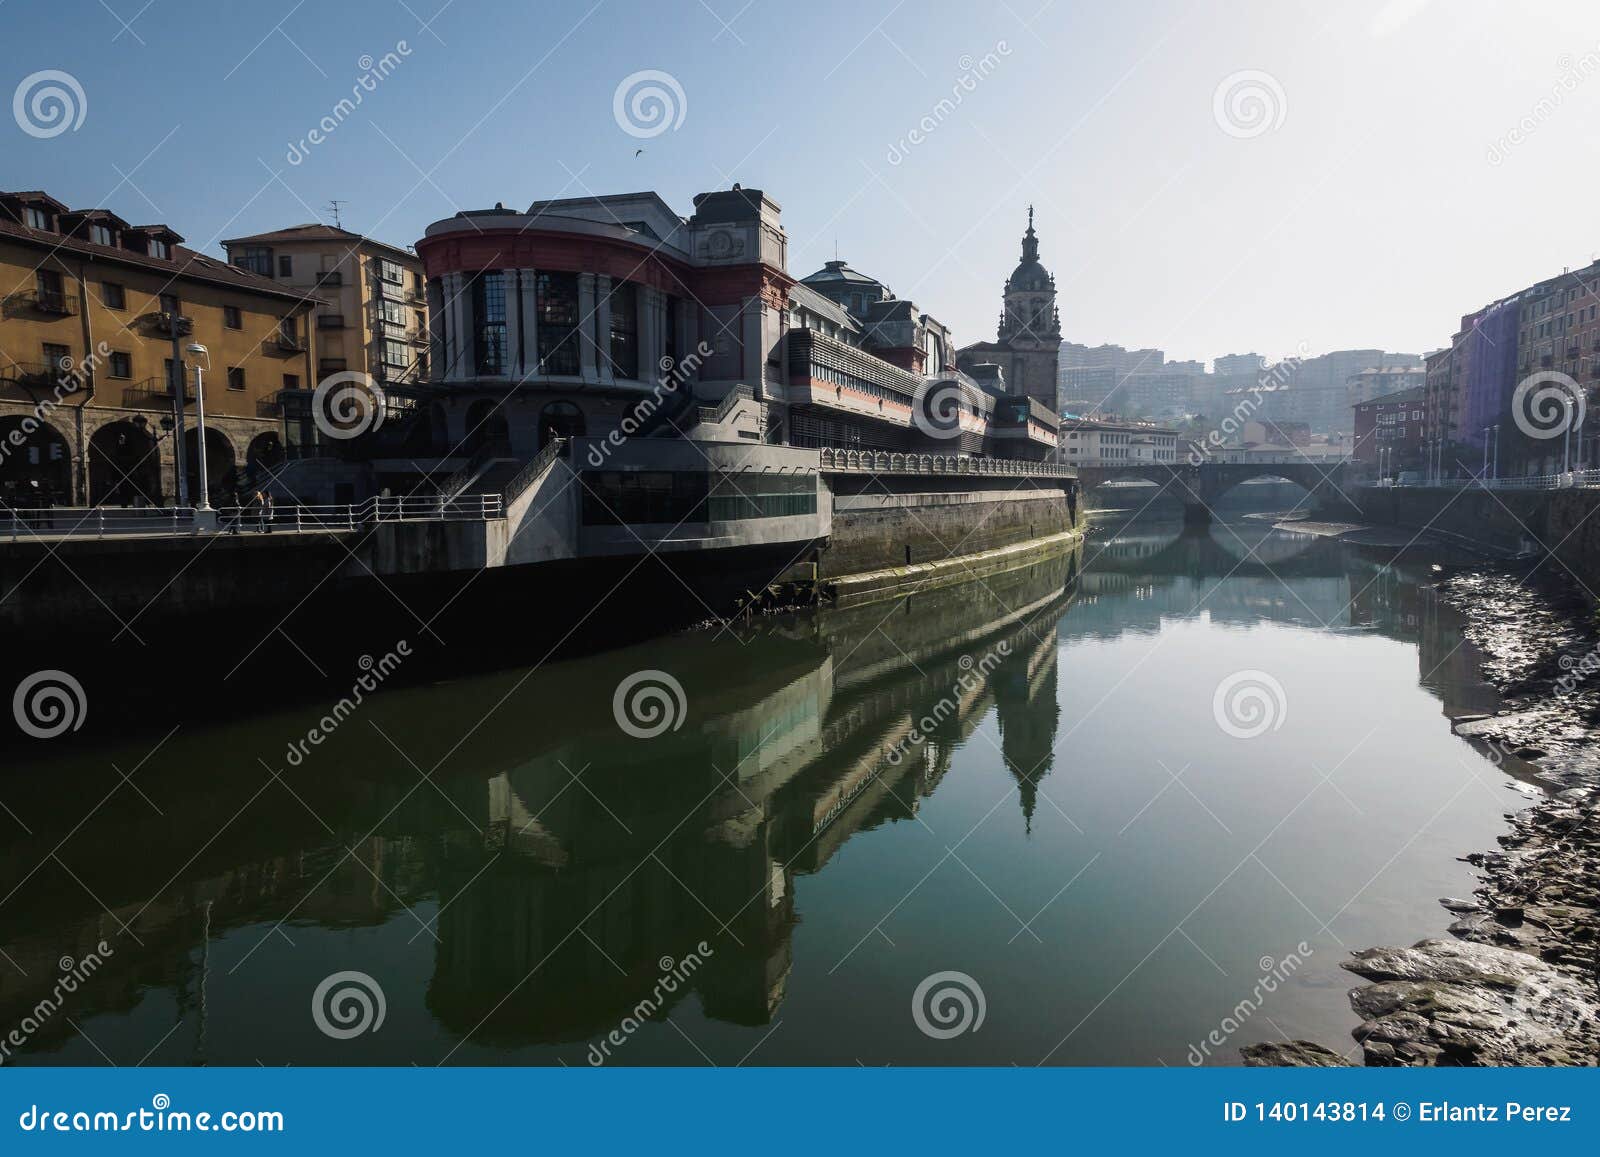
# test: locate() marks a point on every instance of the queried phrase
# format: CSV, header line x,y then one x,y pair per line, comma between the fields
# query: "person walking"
x,y
267,517
259,501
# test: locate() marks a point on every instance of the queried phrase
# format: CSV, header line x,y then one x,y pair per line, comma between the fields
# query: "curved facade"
x,y
587,305
600,315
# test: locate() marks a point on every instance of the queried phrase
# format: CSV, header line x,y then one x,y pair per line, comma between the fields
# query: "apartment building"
x,y
96,319
371,313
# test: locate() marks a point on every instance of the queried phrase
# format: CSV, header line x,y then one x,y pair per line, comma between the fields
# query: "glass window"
x,y
235,377
231,317
52,294
489,318
160,249
391,272
625,330
113,295
285,266
255,259
100,234
558,323
121,365
397,353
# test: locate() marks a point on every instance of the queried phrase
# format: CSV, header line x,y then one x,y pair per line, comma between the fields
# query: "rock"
x,y
1458,1003
1453,904
1291,1054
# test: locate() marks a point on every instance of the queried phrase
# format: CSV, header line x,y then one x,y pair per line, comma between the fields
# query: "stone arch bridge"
x,y
1200,487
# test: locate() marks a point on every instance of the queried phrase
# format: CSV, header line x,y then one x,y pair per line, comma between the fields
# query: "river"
x,y
1129,806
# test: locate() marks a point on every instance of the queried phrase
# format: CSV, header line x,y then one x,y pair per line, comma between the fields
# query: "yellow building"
x,y
96,318
371,314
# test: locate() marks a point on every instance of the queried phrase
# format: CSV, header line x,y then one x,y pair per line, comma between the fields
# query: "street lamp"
x,y
197,350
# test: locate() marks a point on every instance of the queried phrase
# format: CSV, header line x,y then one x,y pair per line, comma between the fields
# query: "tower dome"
x,y
1029,276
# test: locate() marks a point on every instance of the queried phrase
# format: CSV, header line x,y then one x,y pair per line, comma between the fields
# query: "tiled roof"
x,y
185,264
316,231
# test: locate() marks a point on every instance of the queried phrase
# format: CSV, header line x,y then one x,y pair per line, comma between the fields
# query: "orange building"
x,y
96,319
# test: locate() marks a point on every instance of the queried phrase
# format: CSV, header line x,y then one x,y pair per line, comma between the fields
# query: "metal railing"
x,y
537,465
1572,479
20,524
720,412
888,462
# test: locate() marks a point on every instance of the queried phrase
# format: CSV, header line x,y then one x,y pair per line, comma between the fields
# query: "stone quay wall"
x,y
1563,522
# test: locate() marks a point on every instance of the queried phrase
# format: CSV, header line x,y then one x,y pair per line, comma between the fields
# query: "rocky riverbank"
x,y
1519,983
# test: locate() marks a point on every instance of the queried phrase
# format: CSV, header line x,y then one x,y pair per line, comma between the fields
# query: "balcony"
x,y
150,394
173,324
332,279
32,376
330,321
52,303
288,343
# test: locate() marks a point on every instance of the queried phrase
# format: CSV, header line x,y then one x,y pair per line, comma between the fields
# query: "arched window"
x,y
560,420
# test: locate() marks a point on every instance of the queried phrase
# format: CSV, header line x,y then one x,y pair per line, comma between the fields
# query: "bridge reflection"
x,y
543,866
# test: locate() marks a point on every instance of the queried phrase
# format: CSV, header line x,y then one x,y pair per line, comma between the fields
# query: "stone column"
x,y
458,334
602,328
528,279
652,334
511,284
438,359
588,353
752,363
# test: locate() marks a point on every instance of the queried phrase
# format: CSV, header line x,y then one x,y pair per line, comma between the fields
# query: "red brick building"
x,y
1389,432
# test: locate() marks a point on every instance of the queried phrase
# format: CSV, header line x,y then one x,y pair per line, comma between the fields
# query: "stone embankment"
x,y
1519,984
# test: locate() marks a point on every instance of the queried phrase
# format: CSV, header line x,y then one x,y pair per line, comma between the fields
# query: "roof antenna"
x,y
334,206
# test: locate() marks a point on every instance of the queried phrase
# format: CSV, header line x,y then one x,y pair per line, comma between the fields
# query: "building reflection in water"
x,y
564,867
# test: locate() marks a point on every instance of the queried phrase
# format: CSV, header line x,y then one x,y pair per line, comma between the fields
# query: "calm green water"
x,y
1023,781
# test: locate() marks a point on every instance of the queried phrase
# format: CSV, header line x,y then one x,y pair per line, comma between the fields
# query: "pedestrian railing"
x,y
94,521
885,462
109,521
1572,479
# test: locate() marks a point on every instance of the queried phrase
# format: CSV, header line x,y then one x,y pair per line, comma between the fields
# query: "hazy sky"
x,y
1415,159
